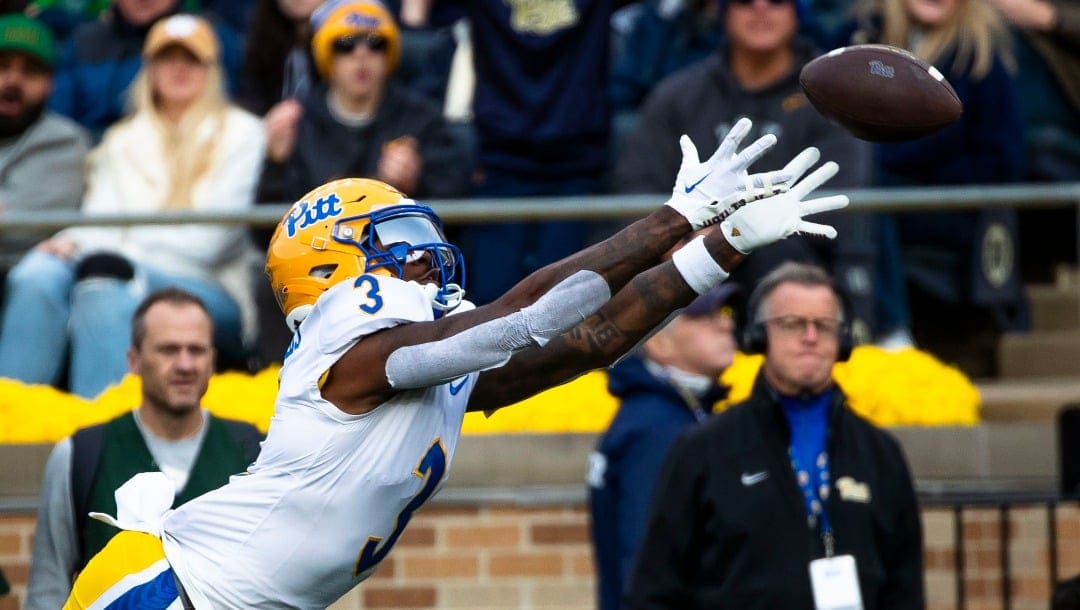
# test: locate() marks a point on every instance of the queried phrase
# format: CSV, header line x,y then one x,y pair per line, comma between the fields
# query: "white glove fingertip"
x,y
823,204
754,152
731,141
803,161
816,178
741,128
813,228
689,151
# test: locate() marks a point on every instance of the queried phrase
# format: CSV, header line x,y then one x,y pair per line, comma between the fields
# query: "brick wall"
x,y
497,557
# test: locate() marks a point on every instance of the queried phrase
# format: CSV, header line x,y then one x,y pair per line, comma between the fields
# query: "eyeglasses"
x,y
797,325
347,44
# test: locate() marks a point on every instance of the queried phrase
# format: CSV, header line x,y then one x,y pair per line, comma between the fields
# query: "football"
x,y
880,93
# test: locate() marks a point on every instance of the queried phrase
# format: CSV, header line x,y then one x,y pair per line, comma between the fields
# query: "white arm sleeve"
x,y
493,343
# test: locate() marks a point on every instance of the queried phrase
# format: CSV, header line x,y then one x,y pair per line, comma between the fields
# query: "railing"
x,y
596,207
1004,502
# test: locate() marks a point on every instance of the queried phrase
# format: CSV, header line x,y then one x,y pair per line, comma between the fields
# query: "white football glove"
x,y
774,218
707,193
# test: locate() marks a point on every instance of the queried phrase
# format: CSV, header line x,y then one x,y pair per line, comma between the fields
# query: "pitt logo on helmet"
x,y
304,214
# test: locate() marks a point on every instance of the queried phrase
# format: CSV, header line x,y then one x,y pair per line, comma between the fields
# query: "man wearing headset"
x,y
788,500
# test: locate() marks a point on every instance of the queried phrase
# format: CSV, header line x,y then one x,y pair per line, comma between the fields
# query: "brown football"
x,y
880,93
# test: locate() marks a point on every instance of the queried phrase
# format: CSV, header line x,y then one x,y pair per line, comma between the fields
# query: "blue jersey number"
x,y
432,468
369,283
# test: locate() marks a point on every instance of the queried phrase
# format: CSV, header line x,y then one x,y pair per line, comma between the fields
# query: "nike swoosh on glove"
x,y
706,193
774,218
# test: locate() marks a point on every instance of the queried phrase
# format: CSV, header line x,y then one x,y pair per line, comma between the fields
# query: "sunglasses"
x,y
347,44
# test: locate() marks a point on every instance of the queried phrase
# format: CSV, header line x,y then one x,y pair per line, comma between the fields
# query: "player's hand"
x,y
707,192
763,222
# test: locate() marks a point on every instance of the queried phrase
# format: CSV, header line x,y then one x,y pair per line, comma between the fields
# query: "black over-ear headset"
x,y
755,339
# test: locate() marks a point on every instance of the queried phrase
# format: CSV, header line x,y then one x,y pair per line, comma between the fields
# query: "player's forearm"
x,y
617,259
631,314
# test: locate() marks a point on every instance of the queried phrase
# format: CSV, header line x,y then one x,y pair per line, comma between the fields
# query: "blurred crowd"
x,y
145,106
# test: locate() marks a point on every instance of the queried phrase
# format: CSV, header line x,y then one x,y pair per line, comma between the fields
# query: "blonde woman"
x,y
182,147
968,41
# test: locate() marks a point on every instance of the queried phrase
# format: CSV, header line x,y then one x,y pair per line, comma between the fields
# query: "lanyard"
x,y
814,495
692,403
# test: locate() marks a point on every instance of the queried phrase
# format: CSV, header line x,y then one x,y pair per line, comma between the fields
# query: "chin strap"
x,y
448,298
442,299
296,316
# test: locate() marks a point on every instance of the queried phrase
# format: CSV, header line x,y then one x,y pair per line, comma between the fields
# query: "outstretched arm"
x,y
612,331
653,295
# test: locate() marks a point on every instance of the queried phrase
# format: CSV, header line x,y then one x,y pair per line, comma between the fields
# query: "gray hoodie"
x,y
704,100
41,169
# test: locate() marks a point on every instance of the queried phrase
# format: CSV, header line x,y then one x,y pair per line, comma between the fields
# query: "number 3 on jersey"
x,y
375,300
431,468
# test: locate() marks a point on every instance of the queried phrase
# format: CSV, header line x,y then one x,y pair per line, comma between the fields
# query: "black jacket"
x,y
327,150
721,535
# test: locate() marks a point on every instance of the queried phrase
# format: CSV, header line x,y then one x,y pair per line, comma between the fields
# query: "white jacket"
x,y
129,175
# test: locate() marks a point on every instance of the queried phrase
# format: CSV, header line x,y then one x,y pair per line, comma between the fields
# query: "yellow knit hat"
x,y
337,18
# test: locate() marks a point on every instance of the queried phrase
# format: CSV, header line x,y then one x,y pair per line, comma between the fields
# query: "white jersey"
x,y
330,492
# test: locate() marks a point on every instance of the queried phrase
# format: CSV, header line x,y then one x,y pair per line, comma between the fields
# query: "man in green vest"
x,y
172,351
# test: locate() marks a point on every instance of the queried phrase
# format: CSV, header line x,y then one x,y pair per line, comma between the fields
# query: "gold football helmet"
x,y
353,226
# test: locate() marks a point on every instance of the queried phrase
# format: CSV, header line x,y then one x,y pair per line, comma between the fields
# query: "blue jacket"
x,y
97,64
652,414
540,105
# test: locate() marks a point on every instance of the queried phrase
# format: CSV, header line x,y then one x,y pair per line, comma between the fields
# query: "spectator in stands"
x,y
236,13
360,123
1049,76
184,147
754,73
788,484
63,16
172,350
661,37
1047,44
278,73
41,153
669,385
101,59
278,68
542,122
965,261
